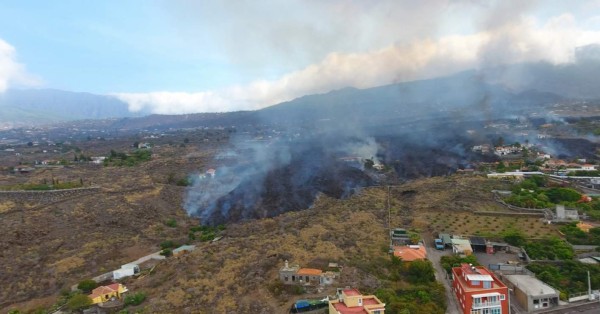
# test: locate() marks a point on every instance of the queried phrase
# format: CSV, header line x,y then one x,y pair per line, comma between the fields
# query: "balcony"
x,y
479,305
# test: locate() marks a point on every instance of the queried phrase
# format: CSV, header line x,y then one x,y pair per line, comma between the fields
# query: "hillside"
x,y
44,106
110,228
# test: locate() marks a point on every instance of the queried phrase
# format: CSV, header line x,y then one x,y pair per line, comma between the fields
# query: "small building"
x,y
211,172
400,236
585,227
184,249
446,239
531,293
107,293
461,246
478,244
294,275
563,214
309,275
351,301
409,253
126,270
478,290
98,160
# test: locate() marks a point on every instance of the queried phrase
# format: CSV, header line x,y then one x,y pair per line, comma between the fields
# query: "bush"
x,y
166,252
135,299
79,301
171,223
167,244
87,285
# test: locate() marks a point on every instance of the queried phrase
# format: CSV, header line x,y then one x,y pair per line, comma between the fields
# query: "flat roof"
x,y
477,240
531,285
351,292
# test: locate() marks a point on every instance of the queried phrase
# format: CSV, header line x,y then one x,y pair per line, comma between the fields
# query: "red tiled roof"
x,y
104,290
409,254
309,271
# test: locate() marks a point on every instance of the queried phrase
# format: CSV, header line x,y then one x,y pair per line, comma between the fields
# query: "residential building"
x,y
531,293
351,301
409,253
478,291
126,270
107,293
294,275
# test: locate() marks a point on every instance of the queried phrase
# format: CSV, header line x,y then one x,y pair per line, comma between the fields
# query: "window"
x,y
306,278
286,278
359,301
475,282
502,297
487,284
293,278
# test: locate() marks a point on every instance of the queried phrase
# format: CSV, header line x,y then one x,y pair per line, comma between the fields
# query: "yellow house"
x,y
352,301
106,293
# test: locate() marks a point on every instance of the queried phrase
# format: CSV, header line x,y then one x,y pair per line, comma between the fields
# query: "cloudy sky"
x,y
176,56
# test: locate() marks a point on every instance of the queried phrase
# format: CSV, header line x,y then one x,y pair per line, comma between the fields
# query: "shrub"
x,y
166,252
87,285
79,301
167,244
135,299
171,223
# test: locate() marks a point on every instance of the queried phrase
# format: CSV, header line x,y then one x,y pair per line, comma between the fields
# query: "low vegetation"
x,y
551,248
410,287
122,159
449,261
578,237
535,193
44,185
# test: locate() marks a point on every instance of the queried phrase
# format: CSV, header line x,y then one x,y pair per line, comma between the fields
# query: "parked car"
x,y
439,244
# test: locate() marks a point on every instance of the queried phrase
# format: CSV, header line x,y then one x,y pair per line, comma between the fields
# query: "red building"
x,y
479,291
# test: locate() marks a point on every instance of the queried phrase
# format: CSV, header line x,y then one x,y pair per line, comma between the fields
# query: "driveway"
x,y
440,274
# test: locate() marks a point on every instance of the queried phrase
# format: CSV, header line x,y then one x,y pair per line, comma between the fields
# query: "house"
x,y
585,227
409,253
126,270
461,246
107,293
211,172
23,169
184,249
352,301
479,291
531,293
98,159
563,214
294,275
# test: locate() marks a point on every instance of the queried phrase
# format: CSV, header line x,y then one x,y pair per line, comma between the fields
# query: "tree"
x,y
369,164
79,301
421,272
500,141
87,285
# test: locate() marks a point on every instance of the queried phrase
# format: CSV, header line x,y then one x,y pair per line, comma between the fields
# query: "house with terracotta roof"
x,y
294,275
107,293
409,253
351,301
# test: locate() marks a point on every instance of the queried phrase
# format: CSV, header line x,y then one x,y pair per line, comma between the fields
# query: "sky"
x,y
183,56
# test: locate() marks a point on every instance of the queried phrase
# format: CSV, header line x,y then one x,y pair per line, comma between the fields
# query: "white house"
x,y
126,271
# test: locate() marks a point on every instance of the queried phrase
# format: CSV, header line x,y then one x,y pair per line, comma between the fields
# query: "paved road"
x,y
440,275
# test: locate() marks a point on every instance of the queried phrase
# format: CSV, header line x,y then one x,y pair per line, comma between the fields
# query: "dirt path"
x,y
440,275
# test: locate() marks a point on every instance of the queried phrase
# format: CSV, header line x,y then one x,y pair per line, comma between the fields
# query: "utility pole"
x,y
590,296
